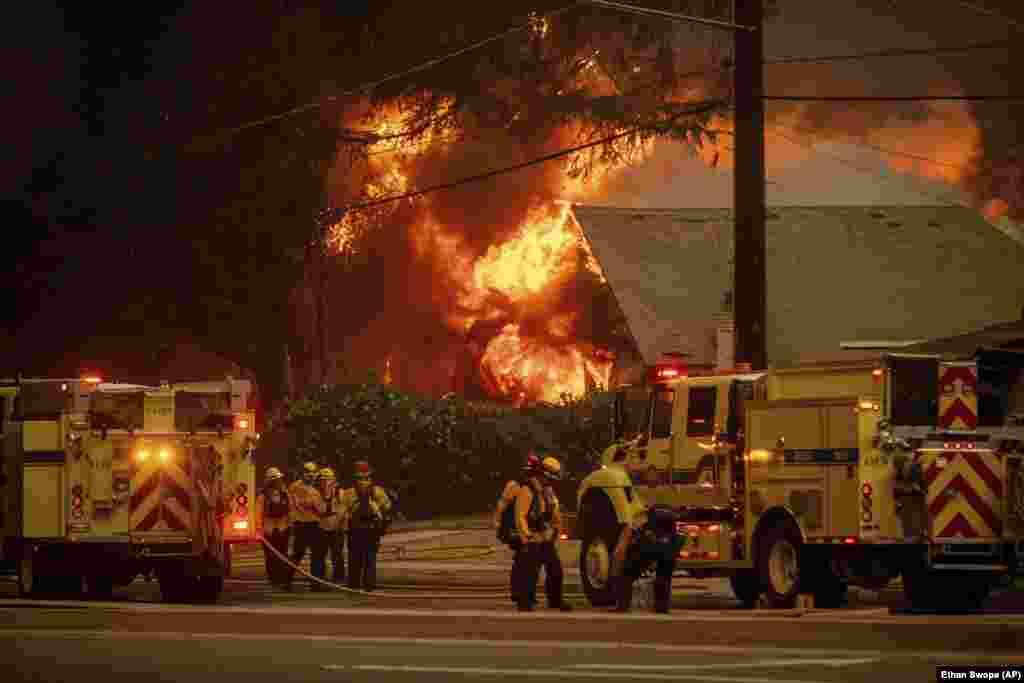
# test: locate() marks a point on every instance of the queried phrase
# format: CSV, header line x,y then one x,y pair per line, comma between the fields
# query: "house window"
x,y
700,417
661,421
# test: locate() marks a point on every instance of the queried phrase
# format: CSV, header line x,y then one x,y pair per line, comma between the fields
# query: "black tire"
x,y
99,587
945,591
30,583
601,531
746,586
208,588
174,588
778,564
828,589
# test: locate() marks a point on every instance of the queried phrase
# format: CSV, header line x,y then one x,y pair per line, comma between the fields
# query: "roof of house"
x,y
1001,336
834,274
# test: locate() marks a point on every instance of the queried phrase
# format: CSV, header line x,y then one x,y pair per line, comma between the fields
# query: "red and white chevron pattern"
x,y
965,495
161,497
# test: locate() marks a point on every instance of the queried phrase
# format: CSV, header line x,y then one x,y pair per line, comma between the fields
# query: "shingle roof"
x,y
834,274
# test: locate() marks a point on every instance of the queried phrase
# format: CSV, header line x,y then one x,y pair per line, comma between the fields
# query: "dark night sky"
x,y
93,103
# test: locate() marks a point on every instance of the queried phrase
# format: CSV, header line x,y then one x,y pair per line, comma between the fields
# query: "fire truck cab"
x,y
105,482
805,480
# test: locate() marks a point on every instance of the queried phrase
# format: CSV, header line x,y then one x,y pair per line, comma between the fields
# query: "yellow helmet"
x,y
327,473
551,468
310,468
273,474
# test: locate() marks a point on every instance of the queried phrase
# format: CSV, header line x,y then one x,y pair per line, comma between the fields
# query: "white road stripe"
x,y
491,644
757,664
557,673
1013,621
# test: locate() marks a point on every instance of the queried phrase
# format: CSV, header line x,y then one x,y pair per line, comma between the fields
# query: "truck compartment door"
x,y
42,501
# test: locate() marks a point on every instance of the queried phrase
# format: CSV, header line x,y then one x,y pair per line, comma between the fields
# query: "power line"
x,y
981,9
366,87
896,52
895,98
675,16
698,109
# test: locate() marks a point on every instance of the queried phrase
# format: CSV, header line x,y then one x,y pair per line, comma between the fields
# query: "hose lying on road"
x,y
345,589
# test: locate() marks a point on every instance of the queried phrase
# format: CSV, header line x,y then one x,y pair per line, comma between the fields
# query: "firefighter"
x,y
274,507
651,538
539,521
367,510
307,509
330,523
505,528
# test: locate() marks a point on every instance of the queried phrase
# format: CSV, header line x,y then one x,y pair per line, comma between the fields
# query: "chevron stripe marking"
x,y
149,522
971,497
977,462
176,518
958,525
969,514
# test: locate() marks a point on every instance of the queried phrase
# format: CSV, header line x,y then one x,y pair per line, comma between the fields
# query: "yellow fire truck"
x,y
105,482
805,480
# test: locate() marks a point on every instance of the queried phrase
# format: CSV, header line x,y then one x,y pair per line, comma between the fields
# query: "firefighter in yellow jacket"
x,y
273,505
506,528
307,509
539,523
331,524
367,510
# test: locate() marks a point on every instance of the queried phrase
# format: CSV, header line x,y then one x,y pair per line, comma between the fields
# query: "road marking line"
x,y
691,616
560,673
491,644
758,664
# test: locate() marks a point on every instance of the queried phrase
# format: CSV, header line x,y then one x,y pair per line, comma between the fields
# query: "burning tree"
x,y
499,270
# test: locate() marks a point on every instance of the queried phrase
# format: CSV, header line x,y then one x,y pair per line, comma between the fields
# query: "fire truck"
x,y
105,482
802,481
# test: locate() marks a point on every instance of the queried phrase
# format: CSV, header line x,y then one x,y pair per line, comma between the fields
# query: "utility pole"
x,y
749,273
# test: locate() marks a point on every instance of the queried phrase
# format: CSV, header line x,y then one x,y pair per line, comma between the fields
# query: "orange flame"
x,y
526,270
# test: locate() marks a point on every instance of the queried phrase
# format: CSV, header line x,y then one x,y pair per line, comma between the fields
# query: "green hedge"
x,y
443,456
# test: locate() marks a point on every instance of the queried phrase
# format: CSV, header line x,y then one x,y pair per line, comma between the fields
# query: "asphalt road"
x,y
167,643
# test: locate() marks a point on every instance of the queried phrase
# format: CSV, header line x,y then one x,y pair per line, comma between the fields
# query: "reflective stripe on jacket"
x,y
307,503
334,518
508,497
548,502
380,505
270,523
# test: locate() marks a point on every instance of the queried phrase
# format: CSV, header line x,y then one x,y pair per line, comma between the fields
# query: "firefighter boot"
x,y
623,593
662,595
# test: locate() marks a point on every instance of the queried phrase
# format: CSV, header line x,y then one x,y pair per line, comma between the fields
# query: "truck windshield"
x,y
661,421
201,411
118,411
631,412
40,401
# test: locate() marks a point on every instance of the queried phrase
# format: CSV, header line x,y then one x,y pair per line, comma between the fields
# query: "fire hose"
x,y
345,589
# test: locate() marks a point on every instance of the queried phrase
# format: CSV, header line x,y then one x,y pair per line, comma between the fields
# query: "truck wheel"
x,y
947,592
778,564
173,587
99,587
28,580
208,588
829,590
746,585
596,561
